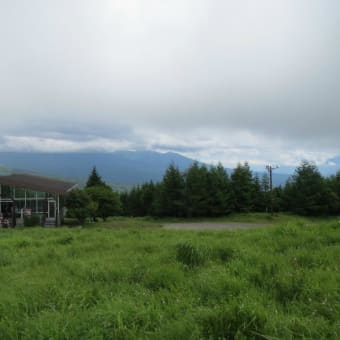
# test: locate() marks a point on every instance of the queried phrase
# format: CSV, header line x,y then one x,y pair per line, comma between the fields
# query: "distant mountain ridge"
x,y
120,168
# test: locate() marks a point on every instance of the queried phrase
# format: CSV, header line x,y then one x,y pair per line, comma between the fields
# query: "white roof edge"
x,y
73,187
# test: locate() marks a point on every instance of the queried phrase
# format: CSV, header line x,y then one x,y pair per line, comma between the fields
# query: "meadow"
x,y
130,279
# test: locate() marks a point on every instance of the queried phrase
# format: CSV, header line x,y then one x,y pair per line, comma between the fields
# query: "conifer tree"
x,y
265,189
333,189
242,186
124,199
219,191
94,179
277,197
147,197
134,201
258,201
172,193
306,192
196,190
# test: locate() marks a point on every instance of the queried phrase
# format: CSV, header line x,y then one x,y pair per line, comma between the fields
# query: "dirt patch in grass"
x,y
214,225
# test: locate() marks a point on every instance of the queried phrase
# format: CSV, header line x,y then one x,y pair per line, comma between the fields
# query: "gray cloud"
x,y
206,78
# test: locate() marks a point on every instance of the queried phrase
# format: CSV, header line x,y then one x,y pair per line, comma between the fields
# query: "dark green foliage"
x,y
333,188
6,191
67,239
32,221
172,199
242,186
106,200
80,205
147,199
191,255
258,196
219,192
97,200
5,258
124,199
234,321
133,204
278,199
142,200
225,254
289,287
94,179
210,192
307,193
196,191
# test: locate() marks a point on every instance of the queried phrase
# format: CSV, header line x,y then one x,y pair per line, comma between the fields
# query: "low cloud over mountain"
x,y
218,81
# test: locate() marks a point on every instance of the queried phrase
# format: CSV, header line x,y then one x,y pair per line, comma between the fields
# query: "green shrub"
x,y
23,243
289,286
224,254
5,259
191,255
234,321
162,278
214,286
67,239
32,221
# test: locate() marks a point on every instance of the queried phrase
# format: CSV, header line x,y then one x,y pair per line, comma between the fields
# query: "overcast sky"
x,y
216,80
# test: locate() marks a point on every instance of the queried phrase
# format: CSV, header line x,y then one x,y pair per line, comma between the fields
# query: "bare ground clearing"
x,y
214,225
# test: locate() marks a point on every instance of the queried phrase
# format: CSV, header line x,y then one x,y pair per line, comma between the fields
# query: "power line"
x,y
270,169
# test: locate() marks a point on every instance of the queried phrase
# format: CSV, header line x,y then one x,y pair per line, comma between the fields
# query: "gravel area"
x,y
213,225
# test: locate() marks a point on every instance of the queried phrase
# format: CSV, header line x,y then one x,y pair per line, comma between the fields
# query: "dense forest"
x,y
203,191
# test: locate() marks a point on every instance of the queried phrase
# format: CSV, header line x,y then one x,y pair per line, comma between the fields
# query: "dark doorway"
x,y
7,217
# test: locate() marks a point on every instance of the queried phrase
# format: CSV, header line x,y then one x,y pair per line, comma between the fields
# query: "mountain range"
x,y
120,168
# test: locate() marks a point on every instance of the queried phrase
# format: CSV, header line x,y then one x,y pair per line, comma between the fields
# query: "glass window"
x,y
20,204
42,205
41,194
30,193
19,193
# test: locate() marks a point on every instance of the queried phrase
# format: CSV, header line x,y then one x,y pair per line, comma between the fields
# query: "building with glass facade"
x,y
24,196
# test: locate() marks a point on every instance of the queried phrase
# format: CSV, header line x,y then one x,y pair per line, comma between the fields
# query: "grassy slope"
x,y
129,279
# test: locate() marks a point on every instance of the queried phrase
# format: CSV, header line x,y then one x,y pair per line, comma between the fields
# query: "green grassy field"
x,y
129,279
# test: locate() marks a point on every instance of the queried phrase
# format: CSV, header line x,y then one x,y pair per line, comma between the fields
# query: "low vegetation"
x,y
130,279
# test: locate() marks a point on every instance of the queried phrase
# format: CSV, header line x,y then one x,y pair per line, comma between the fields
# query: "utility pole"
x,y
270,169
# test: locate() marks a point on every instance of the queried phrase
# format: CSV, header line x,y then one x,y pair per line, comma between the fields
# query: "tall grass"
x,y
129,279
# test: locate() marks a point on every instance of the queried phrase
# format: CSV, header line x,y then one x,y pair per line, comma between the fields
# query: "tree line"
x,y
203,191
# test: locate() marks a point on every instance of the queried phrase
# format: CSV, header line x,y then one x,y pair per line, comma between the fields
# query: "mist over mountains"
x,y
120,168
